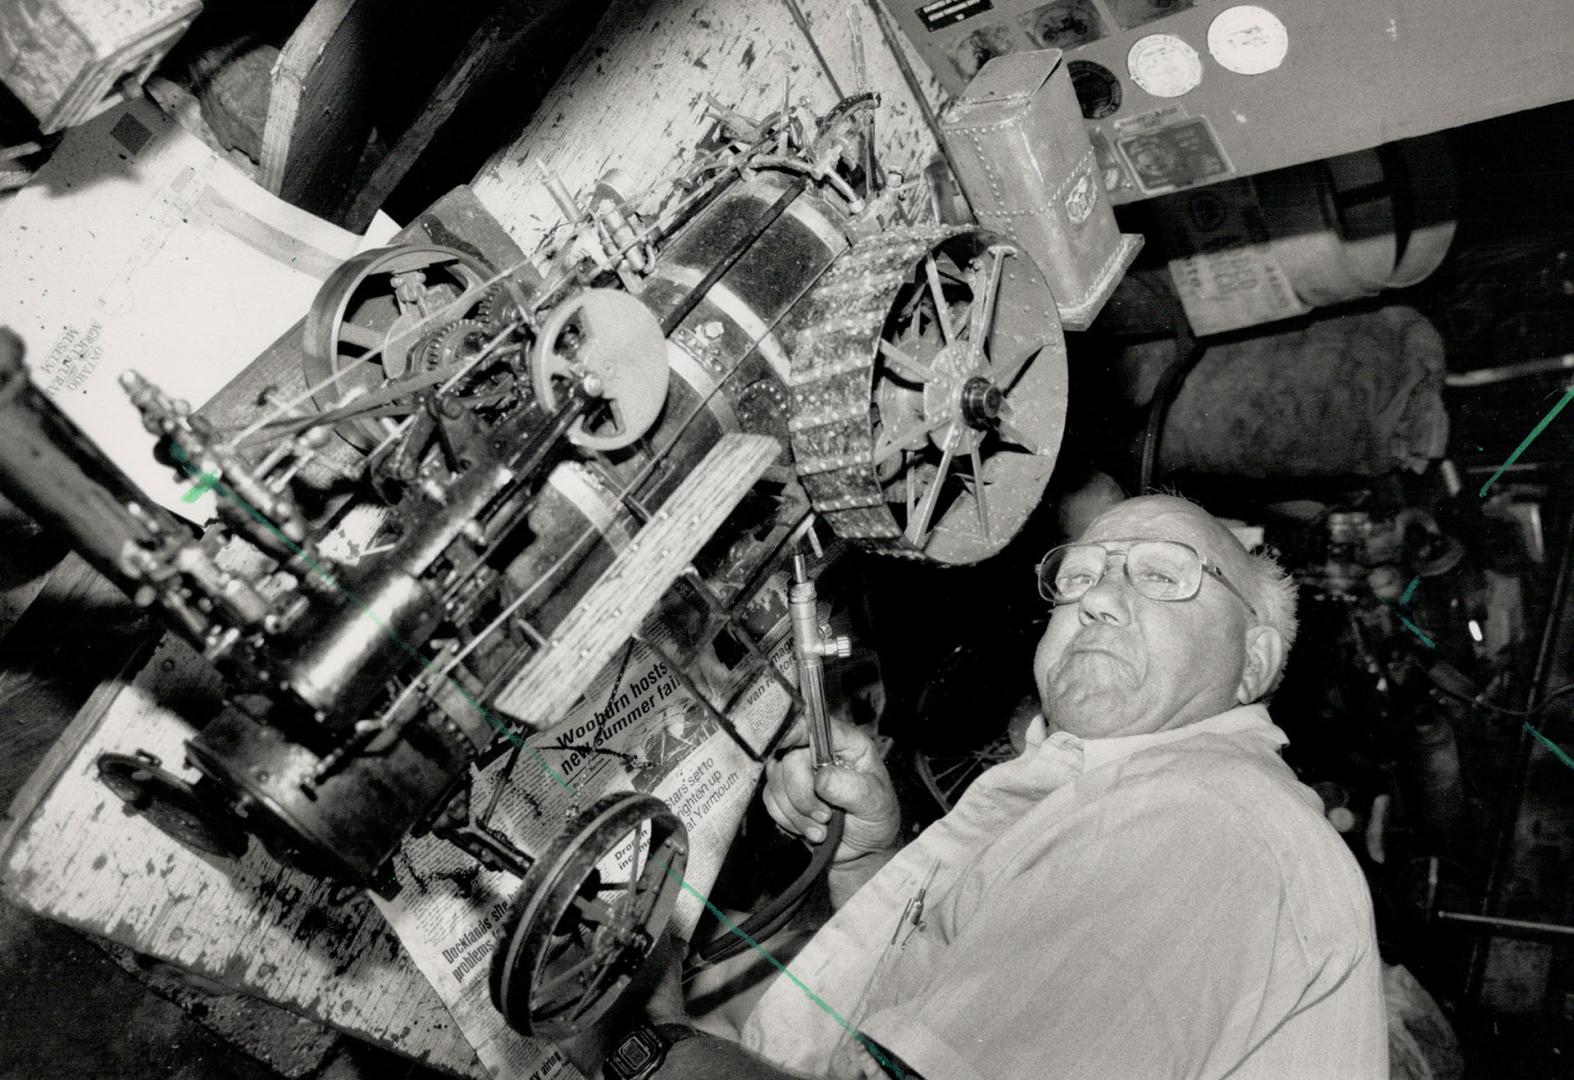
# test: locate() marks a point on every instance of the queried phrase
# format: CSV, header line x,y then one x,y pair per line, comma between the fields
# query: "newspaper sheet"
x,y
137,247
636,729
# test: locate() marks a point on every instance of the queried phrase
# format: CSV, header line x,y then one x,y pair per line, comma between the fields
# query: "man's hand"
x,y
800,799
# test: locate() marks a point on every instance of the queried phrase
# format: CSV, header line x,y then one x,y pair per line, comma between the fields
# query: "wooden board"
x,y
634,97
613,609
319,106
73,854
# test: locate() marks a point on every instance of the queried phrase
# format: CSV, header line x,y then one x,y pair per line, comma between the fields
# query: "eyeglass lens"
x,y
1157,569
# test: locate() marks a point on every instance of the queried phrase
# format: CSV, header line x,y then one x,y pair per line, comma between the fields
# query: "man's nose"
x,y
1106,602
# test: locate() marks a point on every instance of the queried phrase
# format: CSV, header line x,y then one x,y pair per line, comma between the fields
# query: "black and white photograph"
x,y
786,540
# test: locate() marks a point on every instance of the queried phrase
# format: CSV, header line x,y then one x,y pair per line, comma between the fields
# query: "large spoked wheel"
x,y
390,316
575,937
929,394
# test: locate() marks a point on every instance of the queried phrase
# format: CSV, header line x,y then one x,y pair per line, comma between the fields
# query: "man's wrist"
x,y
643,1050
865,859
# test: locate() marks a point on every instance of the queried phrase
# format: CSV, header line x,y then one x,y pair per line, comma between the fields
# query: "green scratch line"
x,y
503,729
1552,415
1550,745
781,967
1410,590
204,482
1418,632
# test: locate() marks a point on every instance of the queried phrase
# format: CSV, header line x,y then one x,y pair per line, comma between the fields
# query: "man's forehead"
x,y
1160,517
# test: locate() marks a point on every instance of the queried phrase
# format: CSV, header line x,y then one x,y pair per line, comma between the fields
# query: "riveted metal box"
x,y
1018,145
66,59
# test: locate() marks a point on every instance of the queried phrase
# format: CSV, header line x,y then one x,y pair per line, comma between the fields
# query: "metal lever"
x,y
810,643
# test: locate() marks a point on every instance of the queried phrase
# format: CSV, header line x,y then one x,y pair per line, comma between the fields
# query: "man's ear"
x,y
1264,660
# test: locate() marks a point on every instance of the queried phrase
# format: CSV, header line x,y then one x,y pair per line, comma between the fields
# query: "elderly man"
x,y
1147,891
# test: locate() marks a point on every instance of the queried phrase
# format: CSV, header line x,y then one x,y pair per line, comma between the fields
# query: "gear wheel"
x,y
928,389
496,309
455,343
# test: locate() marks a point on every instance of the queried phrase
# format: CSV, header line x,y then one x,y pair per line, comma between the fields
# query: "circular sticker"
x,y
1248,40
1164,65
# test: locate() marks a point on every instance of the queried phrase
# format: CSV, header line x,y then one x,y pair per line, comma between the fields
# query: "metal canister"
x,y
1017,142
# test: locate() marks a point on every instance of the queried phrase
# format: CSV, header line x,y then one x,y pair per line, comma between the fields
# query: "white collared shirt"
x,y
1164,905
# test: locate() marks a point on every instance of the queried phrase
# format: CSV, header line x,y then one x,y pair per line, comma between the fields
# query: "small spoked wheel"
x,y
612,345
588,915
174,806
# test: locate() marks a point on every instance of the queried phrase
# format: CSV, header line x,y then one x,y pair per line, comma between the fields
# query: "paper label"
x,y
1176,155
1224,269
944,13
1164,65
1248,40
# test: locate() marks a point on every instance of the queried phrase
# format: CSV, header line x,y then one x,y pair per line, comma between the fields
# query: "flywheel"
x,y
928,391
575,939
399,316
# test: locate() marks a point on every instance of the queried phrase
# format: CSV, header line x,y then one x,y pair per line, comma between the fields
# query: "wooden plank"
x,y
634,96
73,854
320,105
619,601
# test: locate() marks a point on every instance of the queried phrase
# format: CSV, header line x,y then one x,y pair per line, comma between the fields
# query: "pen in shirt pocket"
x,y
912,921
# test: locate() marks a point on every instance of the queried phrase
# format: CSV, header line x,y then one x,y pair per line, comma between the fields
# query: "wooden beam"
x,y
511,24
320,105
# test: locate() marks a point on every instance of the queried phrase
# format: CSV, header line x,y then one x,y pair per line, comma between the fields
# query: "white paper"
x,y
136,247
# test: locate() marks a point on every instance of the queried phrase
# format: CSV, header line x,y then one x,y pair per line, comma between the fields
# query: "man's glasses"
x,y
1157,569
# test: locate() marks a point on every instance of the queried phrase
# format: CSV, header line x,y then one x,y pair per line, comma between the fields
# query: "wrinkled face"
x,y
1116,663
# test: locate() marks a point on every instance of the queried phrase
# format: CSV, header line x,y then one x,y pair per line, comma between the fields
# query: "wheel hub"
x,y
946,397
981,402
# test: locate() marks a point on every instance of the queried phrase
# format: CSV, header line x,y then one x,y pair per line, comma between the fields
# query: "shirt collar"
x,y
1096,752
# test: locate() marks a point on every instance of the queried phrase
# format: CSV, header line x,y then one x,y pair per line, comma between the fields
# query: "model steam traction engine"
x,y
551,452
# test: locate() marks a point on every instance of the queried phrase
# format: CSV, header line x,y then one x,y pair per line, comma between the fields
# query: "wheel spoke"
x,y
960,763
942,316
364,336
887,447
905,365
1011,433
596,911
918,528
575,971
982,315
978,491
593,993
1006,378
954,791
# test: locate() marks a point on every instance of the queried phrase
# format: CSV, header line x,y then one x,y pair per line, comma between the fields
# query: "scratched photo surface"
x,y
1362,360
